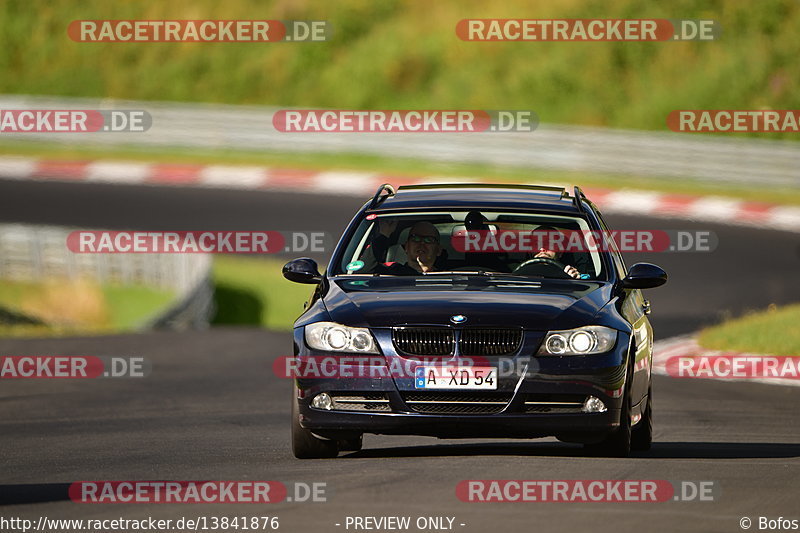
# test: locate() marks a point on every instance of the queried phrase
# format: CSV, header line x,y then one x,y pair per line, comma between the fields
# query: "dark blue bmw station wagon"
x,y
466,311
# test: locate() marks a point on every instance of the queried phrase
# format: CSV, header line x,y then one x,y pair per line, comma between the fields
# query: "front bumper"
x,y
528,381
583,427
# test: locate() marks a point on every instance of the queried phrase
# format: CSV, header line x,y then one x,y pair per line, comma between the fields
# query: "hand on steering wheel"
x,y
568,270
542,260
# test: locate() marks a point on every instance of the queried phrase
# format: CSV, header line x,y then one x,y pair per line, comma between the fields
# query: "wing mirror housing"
x,y
302,270
644,276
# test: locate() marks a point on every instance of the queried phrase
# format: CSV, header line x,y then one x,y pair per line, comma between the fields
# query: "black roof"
x,y
477,196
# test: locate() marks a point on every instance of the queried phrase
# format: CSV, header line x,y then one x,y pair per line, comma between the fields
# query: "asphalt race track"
x,y
213,410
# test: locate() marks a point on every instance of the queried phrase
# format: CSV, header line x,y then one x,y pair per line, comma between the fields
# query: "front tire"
x,y
618,443
352,445
306,445
642,434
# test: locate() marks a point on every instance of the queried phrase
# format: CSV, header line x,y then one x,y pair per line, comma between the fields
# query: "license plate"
x,y
455,377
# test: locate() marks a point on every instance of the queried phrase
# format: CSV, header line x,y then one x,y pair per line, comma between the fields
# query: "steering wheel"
x,y
542,266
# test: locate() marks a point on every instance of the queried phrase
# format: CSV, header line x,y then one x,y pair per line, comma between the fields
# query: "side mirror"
x,y
644,276
303,270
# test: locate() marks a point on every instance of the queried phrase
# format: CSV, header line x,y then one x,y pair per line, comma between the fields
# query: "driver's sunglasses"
x,y
427,239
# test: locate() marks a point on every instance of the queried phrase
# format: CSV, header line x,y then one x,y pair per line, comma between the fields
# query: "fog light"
x,y
591,405
324,401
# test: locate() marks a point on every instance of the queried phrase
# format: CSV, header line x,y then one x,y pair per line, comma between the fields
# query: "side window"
x,y
356,246
616,255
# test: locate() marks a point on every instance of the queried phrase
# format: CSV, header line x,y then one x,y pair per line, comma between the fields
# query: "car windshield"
x,y
472,243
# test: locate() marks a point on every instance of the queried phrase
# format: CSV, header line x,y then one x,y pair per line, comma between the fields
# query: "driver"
x,y
544,233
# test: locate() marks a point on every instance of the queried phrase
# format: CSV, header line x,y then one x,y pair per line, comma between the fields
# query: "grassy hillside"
x,y
406,54
773,331
252,291
79,307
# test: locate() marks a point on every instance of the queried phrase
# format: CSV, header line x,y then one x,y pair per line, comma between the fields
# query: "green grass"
x,y
81,307
402,167
252,291
130,308
774,331
248,291
393,54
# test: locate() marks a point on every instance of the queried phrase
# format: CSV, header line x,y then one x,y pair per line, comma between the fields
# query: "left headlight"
x,y
579,341
333,337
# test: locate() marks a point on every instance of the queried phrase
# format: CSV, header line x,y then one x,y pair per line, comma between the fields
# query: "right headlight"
x,y
587,340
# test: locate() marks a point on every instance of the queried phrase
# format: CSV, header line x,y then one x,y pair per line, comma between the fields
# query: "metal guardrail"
x,y
35,253
551,147
194,311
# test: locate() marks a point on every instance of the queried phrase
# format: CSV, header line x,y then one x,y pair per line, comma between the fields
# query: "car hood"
x,y
391,301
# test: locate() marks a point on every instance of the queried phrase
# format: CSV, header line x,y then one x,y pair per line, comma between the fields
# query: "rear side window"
x,y
616,255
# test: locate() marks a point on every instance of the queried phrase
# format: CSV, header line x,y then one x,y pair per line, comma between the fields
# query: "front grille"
x,y
454,403
553,403
439,341
424,340
489,341
367,402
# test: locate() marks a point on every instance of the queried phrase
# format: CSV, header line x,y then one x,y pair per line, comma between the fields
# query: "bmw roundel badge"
x,y
458,319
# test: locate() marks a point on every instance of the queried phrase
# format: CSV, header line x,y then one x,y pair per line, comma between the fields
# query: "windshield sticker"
x,y
352,266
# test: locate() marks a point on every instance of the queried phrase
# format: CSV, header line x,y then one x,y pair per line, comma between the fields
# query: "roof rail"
x,y
378,198
543,188
578,197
